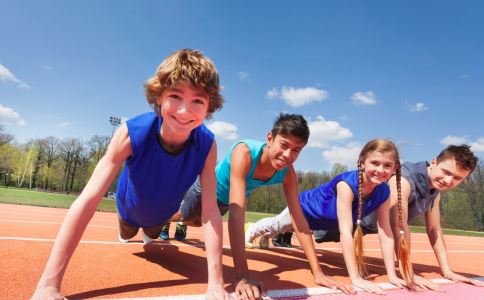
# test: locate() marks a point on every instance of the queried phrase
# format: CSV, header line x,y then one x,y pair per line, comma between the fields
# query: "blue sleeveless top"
x,y
153,181
319,204
223,172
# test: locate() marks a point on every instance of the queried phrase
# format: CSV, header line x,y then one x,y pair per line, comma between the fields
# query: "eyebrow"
x,y
196,94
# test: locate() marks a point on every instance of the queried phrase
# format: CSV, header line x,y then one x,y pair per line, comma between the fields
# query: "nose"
x,y
448,180
182,108
379,169
287,154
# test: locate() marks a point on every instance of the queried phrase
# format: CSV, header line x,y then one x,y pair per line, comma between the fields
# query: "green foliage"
x,y
35,198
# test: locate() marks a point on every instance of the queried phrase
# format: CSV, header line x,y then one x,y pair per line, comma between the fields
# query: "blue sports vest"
x,y
153,181
319,204
223,172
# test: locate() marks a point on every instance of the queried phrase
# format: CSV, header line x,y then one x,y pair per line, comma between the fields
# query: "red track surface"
x,y
104,268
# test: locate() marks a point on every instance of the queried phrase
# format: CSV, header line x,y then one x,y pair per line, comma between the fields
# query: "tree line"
x,y
65,165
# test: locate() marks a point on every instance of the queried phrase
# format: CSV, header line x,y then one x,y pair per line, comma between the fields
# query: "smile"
x,y
182,122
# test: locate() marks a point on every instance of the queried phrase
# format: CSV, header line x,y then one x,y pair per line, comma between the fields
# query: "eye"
x,y
199,101
174,97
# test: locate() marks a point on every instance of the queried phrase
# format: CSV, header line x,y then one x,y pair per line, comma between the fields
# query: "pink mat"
x,y
452,291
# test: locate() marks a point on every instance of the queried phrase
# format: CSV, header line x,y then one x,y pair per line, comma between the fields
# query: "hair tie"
x,y
358,222
402,232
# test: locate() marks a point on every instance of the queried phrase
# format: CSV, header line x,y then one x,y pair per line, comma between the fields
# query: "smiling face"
x,y
446,174
183,108
378,167
283,150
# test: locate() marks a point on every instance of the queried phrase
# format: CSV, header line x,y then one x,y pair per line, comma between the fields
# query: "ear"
x,y
158,100
269,139
433,162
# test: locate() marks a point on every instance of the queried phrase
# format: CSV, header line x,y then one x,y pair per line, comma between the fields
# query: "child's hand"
x,y
47,293
425,284
368,286
459,278
333,284
249,289
398,282
217,292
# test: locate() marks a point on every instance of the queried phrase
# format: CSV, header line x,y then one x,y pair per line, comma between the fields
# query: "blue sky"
x,y
411,71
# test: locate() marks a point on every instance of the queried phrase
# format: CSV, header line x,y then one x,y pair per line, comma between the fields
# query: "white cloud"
x,y
47,68
224,130
478,146
367,98
419,107
323,133
271,94
8,115
243,76
6,75
63,124
347,155
453,140
296,97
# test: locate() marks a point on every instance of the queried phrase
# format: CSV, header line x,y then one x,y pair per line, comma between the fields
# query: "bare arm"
x,y
303,233
387,242
345,222
420,282
212,227
240,163
436,238
81,212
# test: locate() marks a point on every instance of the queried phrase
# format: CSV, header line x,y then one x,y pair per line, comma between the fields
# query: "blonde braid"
x,y
358,235
403,248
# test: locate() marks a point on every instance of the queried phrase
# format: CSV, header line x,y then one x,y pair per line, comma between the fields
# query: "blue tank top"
x,y
319,204
223,172
153,181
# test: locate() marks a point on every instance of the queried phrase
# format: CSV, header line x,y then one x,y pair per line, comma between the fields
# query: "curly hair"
x,y
185,65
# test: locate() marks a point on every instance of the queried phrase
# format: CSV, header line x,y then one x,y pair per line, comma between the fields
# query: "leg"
x,y
269,227
331,235
126,231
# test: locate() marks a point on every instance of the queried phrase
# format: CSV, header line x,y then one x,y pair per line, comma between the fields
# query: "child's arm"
x,y
303,233
80,213
420,282
212,226
240,163
387,243
345,222
436,238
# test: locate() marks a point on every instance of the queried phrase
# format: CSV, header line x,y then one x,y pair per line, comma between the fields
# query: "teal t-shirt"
x,y
222,172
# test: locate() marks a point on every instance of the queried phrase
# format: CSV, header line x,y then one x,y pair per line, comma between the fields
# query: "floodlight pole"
x,y
115,122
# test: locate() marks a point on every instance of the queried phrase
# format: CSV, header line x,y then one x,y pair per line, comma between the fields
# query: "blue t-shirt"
x,y
223,172
153,181
319,204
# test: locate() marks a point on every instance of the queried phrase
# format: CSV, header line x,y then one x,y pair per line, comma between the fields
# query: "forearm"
x,y
387,247
66,242
212,227
308,247
436,239
237,238
348,248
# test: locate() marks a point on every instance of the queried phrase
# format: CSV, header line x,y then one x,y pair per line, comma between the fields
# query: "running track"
x,y
104,268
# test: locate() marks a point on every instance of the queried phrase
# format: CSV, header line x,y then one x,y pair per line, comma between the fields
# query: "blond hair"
x,y
190,66
378,145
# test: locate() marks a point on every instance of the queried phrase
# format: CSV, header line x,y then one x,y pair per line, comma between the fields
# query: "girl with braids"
x,y
340,205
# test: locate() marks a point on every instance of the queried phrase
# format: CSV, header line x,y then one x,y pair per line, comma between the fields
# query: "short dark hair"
x,y
291,124
462,154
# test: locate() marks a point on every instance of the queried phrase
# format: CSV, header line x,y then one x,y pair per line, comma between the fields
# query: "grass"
x,y
36,198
